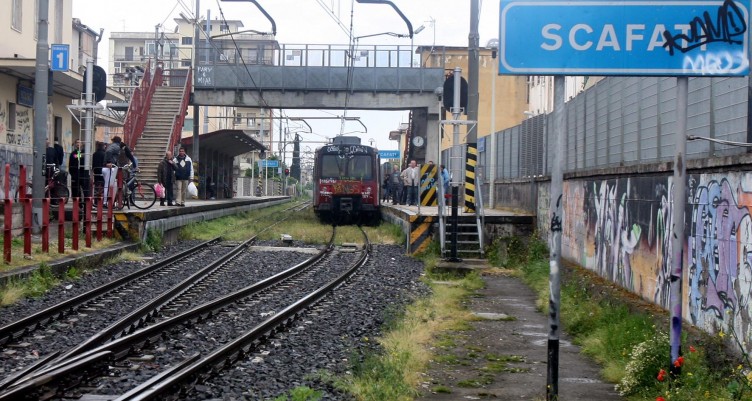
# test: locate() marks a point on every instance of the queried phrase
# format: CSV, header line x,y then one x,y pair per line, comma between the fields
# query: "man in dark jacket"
x,y
97,162
78,173
165,174
183,175
111,156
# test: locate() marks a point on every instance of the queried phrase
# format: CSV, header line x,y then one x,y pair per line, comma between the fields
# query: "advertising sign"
x,y
662,38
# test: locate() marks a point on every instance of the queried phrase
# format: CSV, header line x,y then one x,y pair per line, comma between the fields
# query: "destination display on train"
x,y
663,38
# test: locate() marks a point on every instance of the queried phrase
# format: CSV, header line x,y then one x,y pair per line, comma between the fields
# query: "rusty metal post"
x,y
87,220
46,225
60,228
99,217
7,229
76,229
27,226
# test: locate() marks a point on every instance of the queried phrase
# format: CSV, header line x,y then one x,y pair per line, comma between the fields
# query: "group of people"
x,y
179,170
107,159
403,187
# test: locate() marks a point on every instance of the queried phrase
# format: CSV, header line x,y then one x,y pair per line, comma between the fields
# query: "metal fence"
x,y
623,121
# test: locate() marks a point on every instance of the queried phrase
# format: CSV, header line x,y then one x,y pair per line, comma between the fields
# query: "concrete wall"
x,y
620,225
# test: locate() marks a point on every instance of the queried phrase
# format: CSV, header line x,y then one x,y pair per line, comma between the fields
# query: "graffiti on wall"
x,y
719,256
622,230
3,122
21,136
15,158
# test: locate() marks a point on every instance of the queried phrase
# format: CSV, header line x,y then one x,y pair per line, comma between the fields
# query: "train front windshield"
x,y
346,168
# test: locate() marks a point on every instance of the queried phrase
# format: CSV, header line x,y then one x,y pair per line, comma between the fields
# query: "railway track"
x,y
176,273
245,307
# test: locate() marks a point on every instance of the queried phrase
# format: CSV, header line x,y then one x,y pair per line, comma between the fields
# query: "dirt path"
x,y
503,355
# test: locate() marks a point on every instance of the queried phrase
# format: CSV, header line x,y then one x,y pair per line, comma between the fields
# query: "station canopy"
x,y
231,142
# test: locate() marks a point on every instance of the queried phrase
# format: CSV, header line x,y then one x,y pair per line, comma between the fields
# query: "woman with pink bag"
x,y
165,176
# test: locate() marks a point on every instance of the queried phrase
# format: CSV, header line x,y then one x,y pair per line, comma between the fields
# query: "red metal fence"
x,y
44,226
138,110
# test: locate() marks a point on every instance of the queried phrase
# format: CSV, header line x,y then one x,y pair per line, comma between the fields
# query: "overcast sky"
x,y
308,22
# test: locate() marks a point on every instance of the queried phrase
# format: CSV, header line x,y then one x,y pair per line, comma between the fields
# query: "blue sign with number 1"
x,y
59,60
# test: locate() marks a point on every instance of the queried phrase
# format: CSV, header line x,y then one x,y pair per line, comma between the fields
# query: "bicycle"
x,y
139,194
55,189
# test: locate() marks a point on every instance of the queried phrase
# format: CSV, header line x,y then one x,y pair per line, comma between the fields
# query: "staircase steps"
x,y
151,147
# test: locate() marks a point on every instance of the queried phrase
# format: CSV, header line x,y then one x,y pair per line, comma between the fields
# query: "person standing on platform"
x,y
183,175
165,175
412,182
445,183
59,153
77,169
111,156
395,185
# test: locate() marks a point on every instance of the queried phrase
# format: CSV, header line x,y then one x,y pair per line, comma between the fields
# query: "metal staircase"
x,y
470,236
155,140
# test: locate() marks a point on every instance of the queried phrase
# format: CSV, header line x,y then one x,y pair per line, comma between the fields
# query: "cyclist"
x,y
111,162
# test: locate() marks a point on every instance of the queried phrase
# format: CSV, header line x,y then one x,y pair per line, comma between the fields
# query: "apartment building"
x,y
18,42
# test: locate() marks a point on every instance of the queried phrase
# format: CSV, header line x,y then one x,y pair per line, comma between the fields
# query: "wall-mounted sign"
x,y
25,96
59,57
389,154
592,37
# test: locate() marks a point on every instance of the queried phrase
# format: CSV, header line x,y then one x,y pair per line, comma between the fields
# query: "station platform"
x,y
133,224
419,223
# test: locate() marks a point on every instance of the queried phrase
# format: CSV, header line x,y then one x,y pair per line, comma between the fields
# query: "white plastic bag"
x,y
192,190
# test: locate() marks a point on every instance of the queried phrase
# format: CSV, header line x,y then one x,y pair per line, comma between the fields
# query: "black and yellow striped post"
x,y
428,183
421,230
472,161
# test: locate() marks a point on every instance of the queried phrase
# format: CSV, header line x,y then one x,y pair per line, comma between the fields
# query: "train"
x,y
347,182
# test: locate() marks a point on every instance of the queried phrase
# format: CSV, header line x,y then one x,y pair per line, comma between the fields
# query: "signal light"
x,y
287,172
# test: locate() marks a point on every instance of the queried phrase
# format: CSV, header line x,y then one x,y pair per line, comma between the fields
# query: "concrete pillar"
x,y
433,138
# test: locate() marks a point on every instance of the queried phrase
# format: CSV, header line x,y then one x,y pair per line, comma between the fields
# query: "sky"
x,y
309,22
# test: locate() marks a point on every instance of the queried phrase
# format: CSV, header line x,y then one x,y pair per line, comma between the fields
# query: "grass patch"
x,y
153,242
302,393
449,359
37,256
395,372
11,293
441,390
301,225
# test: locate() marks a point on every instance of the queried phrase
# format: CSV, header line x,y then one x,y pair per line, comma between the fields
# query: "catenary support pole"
x,y
554,236
679,203
89,122
492,162
471,179
41,81
196,113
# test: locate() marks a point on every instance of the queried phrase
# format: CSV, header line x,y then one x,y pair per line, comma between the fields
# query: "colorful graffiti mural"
x,y
621,229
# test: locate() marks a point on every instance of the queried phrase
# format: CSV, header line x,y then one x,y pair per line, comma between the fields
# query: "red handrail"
x,y
179,119
138,110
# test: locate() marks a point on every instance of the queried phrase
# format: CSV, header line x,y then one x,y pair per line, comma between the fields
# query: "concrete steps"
x,y
151,147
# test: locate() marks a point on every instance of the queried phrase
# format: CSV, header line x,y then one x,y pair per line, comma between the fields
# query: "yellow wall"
x,y
511,91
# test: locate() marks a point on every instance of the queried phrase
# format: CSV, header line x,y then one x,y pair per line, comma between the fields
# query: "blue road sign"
x,y
268,163
60,55
389,154
594,37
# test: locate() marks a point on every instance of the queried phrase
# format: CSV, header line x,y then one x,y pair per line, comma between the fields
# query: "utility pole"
x,y
195,73
472,107
41,82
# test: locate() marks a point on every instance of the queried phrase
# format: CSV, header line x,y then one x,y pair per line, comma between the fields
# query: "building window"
x,y
11,116
128,53
224,28
151,49
16,17
185,63
186,41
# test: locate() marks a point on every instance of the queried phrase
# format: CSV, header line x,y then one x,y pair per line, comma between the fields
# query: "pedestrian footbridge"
x,y
318,76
